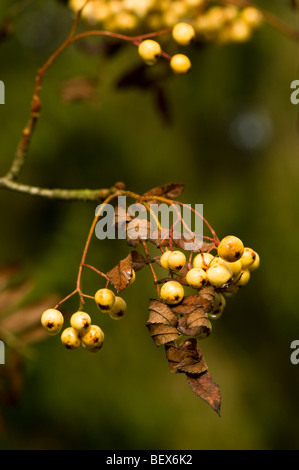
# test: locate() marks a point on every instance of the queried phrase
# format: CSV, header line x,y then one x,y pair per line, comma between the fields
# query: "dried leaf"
x,y
192,243
25,319
138,261
121,216
162,323
161,313
194,324
12,296
79,89
162,104
204,387
136,77
120,275
169,191
139,230
12,378
185,358
162,334
204,299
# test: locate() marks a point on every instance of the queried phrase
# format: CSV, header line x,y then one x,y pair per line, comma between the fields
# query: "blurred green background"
x,y
233,141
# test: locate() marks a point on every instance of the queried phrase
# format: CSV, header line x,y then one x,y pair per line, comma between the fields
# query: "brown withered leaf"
x,y
162,104
120,275
194,324
24,322
20,324
162,334
204,387
121,216
161,313
185,358
138,261
204,299
79,89
12,378
190,242
162,323
138,229
169,191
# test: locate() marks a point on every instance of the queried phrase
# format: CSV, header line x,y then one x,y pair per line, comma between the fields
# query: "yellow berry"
x,y
252,16
172,292
218,308
149,51
196,277
180,64
240,31
133,277
52,320
176,260
219,274
255,264
118,309
183,33
230,248
248,257
164,259
243,278
202,260
80,321
70,338
235,266
231,291
93,338
104,299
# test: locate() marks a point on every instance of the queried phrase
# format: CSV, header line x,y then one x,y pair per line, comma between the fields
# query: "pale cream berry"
x,y
252,16
255,264
243,278
231,291
164,259
104,299
149,51
70,338
202,260
172,292
176,260
218,307
180,64
240,30
248,257
80,320
93,338
118,309
183,33
230,248
132,279
219,274
52,320
196,277
235,266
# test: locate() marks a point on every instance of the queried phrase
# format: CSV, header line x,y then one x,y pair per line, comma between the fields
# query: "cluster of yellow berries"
x,y
150,50
141,15
227,271
228,24
189,20
153,15
81,331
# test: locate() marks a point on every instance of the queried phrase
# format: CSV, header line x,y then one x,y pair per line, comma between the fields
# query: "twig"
x,y
57,193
